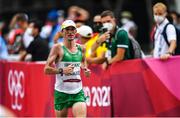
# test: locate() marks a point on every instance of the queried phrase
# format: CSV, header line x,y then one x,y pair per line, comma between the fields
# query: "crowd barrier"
x,y
148,87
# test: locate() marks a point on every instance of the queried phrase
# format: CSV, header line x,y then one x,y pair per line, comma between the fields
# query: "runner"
x,y
68,86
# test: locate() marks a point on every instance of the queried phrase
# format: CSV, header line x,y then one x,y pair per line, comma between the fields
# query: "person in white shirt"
x,y
161,48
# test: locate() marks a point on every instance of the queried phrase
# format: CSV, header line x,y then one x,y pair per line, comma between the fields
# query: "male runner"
x,y
68,86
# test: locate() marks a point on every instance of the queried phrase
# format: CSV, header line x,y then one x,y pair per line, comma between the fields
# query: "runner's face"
x,y
69,33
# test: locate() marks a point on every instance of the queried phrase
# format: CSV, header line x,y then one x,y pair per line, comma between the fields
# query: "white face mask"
x,y
159,19
29,31
124,20
109,26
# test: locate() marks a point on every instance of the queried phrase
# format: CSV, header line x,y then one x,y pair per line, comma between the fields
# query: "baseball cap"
x,y
67,23
126,14
52,15
85,31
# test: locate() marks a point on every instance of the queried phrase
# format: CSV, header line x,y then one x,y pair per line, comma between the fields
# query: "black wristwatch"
x,y
60,71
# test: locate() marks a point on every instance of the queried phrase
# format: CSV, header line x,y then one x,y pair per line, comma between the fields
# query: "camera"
x,y
107,27
103,29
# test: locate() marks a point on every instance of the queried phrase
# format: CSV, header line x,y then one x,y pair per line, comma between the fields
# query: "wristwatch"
x,y
60,71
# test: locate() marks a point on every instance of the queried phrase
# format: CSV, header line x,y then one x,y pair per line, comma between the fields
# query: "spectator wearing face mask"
x,y
97,55
27,37
128,24
161,48
116,40
126,20
38,48
131,28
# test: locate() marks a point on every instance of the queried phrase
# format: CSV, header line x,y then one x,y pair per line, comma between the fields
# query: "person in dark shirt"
x,y
38,48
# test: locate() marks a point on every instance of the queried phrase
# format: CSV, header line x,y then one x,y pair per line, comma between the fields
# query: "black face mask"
x,y
97,27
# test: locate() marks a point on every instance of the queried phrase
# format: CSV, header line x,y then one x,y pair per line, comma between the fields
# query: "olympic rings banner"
x,y
148,87
28,92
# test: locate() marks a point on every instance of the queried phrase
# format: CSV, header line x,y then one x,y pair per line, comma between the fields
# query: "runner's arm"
x,y
54,54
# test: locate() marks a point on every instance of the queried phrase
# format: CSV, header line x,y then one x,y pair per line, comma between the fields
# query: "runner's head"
x,y
68,29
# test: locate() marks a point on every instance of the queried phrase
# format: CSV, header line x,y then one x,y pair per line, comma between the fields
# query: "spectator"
x,y
85,32
38,48
97,25
161,48
97,56
3,45
18,25
52,27
85,35
175,16
126,20
19,21
27,37
117,40
178,21
128,24
131,29
77,13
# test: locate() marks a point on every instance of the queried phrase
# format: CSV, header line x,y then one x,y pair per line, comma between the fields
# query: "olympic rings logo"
x,y
16,82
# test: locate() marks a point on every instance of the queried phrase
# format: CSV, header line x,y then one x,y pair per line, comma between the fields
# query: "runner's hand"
x,y
68,70
87,72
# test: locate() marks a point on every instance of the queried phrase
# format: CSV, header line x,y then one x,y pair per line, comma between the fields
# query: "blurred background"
x,y
145,86
141,11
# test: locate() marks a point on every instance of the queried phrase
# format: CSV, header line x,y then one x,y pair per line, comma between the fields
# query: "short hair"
x,y
107,13
36,23
21,17
160,4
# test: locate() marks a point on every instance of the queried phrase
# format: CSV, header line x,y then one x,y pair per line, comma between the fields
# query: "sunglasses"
x,y
70,28
97,23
